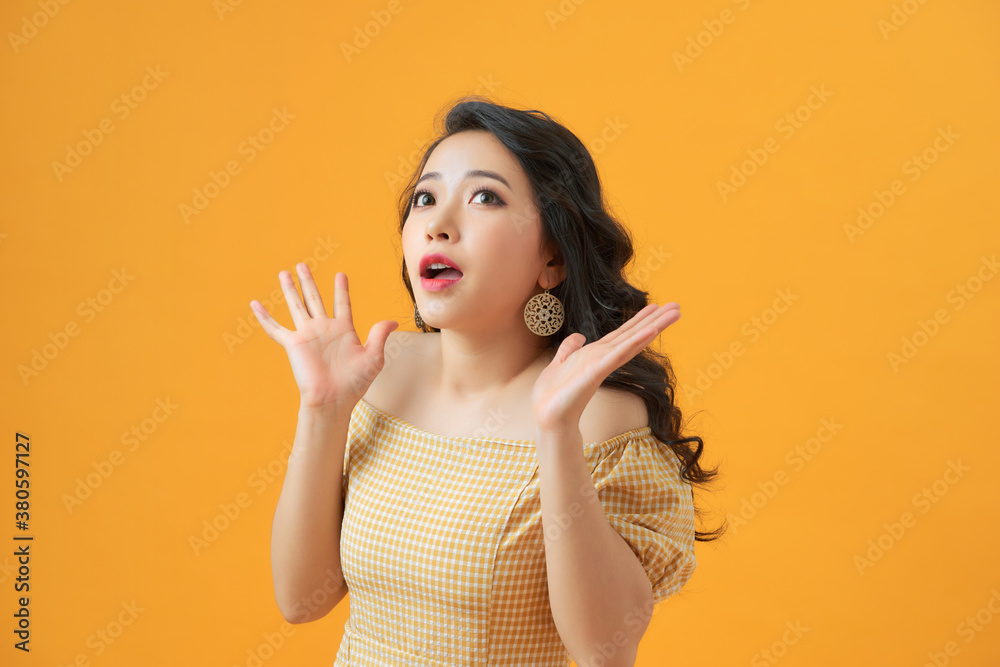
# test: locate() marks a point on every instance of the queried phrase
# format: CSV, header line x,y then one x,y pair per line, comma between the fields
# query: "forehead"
x,y
474,149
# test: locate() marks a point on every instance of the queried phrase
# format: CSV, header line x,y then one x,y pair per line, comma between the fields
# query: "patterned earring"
x,y
544,314
416,317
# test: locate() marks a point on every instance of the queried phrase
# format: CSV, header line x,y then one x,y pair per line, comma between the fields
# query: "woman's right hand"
x,y
330,365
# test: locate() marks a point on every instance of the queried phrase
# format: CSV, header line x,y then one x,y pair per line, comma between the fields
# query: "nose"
x,y
434,233
441,225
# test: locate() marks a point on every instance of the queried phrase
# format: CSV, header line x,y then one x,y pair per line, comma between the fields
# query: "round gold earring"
x,y
544,314
419,321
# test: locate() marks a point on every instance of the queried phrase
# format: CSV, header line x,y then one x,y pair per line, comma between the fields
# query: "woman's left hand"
x,y
567,384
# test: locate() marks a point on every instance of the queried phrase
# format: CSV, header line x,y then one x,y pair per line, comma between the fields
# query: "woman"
x,y
499,490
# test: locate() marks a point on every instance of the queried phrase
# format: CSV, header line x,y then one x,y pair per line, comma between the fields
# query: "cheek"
x,y
509,271
410,254
407,237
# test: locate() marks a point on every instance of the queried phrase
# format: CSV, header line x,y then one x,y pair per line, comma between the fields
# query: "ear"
x,y
555,268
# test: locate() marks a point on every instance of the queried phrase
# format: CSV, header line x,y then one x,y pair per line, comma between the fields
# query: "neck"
x,y
475,367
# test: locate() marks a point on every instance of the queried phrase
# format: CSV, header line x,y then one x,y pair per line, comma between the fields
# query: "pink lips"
x,y
438,284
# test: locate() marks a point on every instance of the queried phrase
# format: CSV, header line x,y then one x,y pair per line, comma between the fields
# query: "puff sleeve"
x,y
645,499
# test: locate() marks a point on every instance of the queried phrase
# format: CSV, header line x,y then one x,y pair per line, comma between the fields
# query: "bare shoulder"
x,y
402,353
399,339
612,412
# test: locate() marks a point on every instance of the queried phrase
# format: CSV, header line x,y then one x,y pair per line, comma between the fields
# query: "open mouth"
x,y
438,272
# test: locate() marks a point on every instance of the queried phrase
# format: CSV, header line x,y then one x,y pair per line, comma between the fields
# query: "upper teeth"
x,y
438,265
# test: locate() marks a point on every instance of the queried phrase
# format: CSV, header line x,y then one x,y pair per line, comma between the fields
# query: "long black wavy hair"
x,y
596,297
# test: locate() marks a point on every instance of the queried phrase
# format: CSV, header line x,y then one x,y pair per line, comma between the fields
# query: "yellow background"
x,y
327,180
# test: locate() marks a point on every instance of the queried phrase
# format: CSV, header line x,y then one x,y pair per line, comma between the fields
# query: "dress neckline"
x,y
640,432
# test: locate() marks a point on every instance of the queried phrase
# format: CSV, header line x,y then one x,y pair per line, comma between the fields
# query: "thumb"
x,y
377,335
570,344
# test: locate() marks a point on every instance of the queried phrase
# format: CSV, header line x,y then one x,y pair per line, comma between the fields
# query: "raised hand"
x,y
571,379
330,365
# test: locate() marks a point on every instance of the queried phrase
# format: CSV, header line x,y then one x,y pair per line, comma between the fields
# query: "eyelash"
x,y
416,195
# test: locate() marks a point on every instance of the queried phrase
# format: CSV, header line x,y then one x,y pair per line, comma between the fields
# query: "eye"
x,y
493,195
494,198
416,196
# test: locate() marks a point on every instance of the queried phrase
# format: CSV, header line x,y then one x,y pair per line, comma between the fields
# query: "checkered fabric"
x,y
442,547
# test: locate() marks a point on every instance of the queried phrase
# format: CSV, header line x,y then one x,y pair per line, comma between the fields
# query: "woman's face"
x,y
490,229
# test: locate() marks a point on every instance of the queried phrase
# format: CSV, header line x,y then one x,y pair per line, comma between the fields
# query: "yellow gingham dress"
x,y
442,547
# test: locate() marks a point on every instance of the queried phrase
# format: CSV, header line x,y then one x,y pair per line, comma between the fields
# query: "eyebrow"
x,y
434,175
